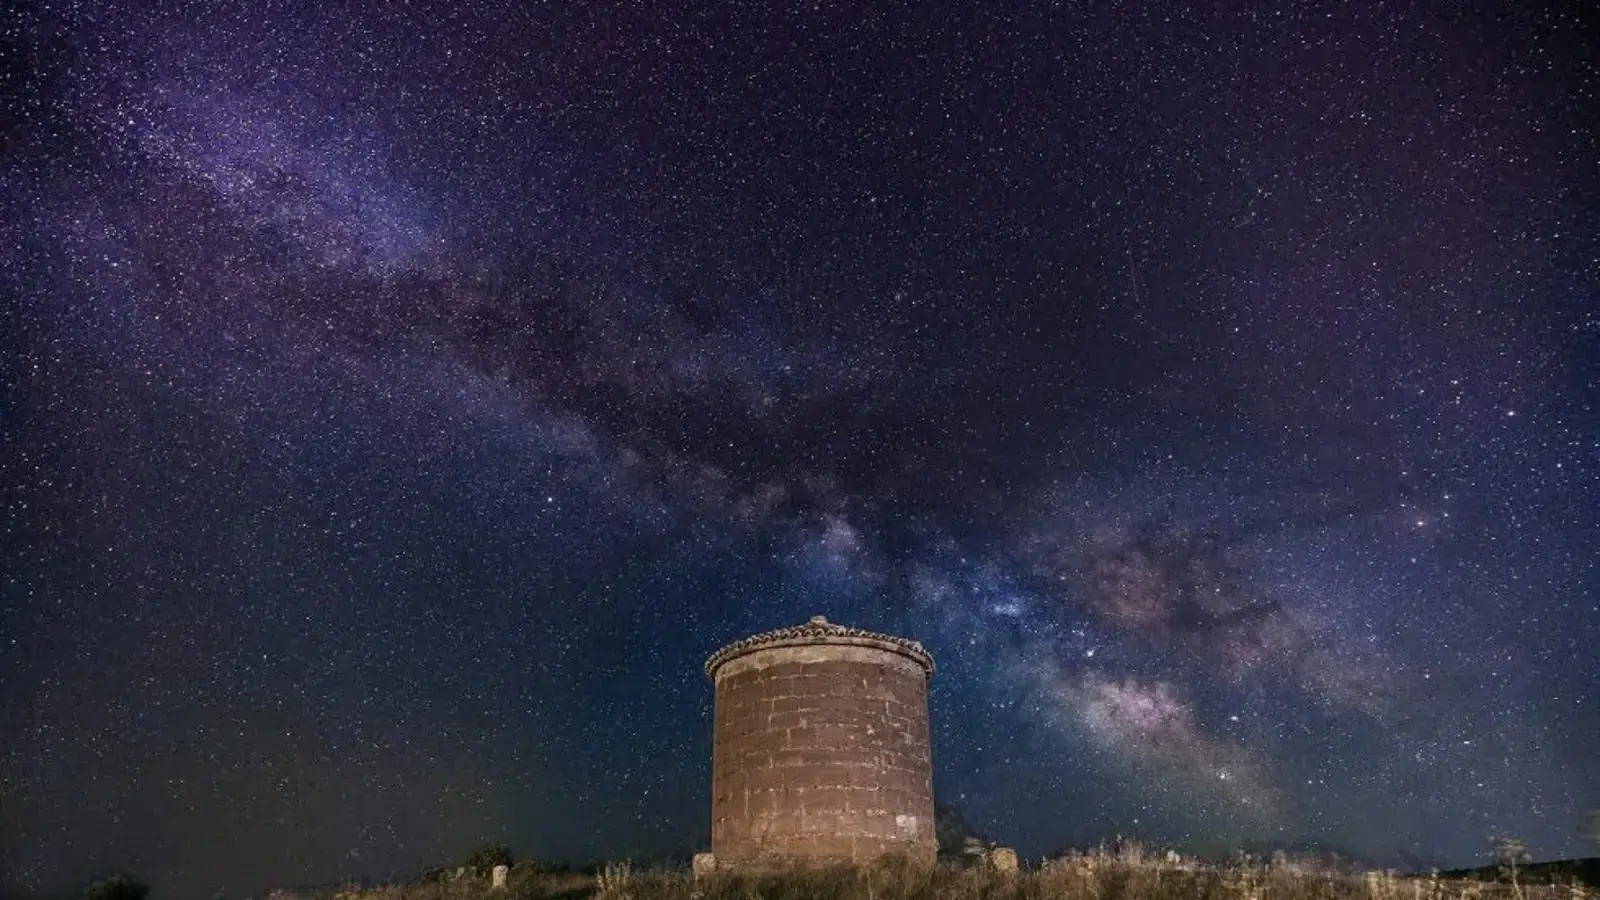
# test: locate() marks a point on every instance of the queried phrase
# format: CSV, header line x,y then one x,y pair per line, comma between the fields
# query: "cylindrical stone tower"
x,y
820,752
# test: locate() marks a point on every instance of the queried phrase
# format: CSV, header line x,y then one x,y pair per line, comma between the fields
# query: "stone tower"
x,y
820,749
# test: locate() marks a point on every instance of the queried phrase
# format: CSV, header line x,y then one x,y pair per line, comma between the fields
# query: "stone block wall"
x,y
821,755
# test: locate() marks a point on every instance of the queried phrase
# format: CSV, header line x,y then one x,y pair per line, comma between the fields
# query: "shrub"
x,y
117,887
488,856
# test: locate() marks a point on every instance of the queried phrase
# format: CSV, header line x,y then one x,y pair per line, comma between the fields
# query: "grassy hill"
x,y
1091,876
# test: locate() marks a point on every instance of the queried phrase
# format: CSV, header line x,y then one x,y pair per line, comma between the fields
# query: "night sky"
x,y
401,400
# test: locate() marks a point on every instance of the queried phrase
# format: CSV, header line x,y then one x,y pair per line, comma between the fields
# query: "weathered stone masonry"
x,y
820,748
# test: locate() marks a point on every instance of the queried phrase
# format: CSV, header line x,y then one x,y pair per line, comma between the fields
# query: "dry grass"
x,y
1094,876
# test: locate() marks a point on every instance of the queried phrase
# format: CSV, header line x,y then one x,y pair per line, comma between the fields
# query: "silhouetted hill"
x,y
1559,871
1328,857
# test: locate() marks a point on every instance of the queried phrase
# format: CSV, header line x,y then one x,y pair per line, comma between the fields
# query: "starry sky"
x,y
401,400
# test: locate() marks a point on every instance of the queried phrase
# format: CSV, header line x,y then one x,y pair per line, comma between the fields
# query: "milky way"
x,y
403,400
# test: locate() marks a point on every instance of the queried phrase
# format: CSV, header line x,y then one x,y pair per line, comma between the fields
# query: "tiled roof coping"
x,y
820,631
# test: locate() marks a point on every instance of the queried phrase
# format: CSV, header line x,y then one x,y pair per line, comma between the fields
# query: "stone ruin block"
x,y
704,864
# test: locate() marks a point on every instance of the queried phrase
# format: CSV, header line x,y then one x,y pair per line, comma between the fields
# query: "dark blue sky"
x,y
402,400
